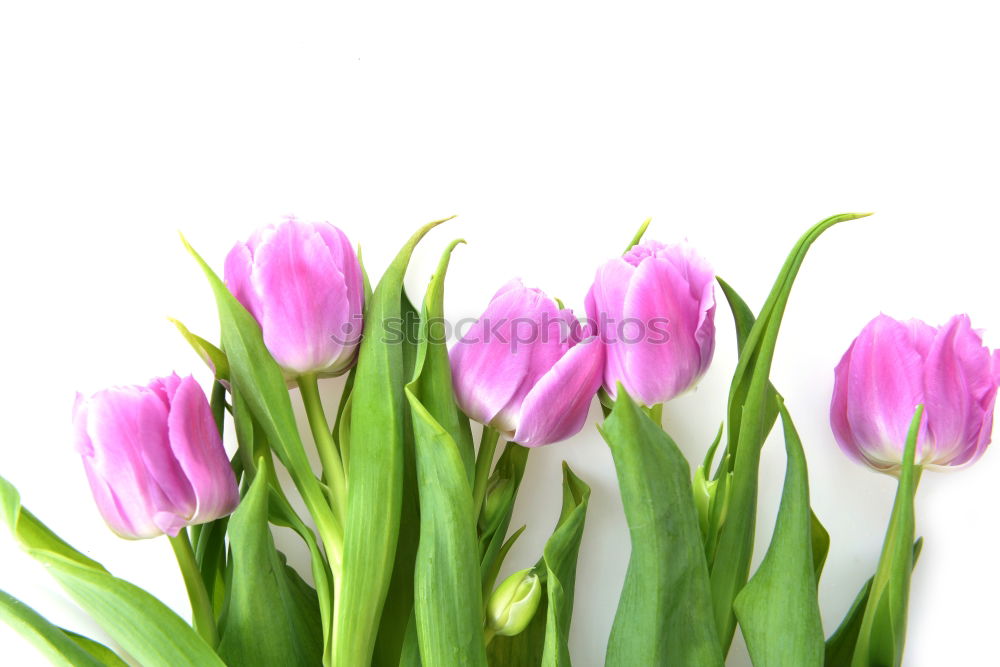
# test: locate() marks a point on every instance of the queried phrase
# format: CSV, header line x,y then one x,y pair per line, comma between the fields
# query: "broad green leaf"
x,y
98,650
560,556
750,417
272,617
448,600
375,486
398,609
883,628
840,645
49,639
778,609
142,625
664,614
256,376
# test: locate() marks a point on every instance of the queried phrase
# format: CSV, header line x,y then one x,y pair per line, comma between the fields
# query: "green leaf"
x,y
448,601
820,545
778,609
560,556
257,378
664,614
840,645
750,417
432,375
32,533
103,654
637,238
49,639
398,610
213,357
375,486
143,626
272,617
883,628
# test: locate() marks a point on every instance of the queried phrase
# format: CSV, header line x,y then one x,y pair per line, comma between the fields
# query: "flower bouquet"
x,y
408,521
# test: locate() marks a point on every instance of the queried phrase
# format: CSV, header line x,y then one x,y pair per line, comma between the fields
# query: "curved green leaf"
x,y
665,612
560,555
376,473
448,600
49,639
272,617
142,625
883,628
750,417
257,378
778,609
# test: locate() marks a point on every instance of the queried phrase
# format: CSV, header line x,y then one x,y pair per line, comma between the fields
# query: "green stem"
x,y
488,635
201,605
333,468
484,461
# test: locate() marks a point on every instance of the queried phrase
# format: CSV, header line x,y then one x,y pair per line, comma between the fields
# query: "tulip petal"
x,y
237,272
557,406
303,298
197,447
487,369
129,423
884,386
659,293
605,308
958,377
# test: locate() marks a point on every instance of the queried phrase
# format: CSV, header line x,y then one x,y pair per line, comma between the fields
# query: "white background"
x,y
553,129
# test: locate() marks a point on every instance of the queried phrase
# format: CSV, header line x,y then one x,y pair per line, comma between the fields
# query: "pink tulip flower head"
x,y
303,284
154,457
527,368
655,310
893,366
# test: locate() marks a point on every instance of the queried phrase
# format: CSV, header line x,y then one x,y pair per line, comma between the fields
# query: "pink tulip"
x,y
153,457
893,366
526,368
303,284
655,309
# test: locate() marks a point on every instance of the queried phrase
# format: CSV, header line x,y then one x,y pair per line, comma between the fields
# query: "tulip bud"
x,y
513,603
654,307
303,284
893,366
526,368
154,457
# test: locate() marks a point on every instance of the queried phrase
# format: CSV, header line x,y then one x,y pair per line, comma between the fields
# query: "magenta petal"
x,y
655,371
487,369
237,272
303,298
556,407
197,446
839,408
605,312
124,424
